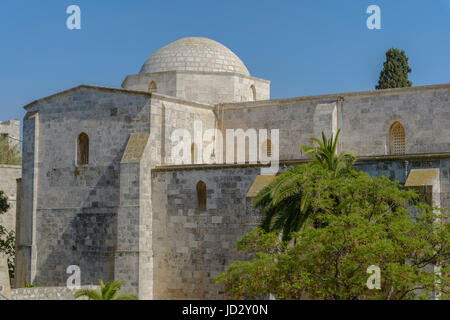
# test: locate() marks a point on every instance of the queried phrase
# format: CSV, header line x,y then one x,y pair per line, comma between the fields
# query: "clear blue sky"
x,y
303,47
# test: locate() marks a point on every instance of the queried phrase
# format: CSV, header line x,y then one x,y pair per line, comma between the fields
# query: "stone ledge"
x,y
190,103
362,159
10,166
333,97
47,293
222,73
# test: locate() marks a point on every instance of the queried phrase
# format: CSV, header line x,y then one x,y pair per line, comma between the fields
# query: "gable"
x,y
82,88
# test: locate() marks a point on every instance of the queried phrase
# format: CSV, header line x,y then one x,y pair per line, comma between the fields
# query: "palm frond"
x,y
111,288
286,203
91,294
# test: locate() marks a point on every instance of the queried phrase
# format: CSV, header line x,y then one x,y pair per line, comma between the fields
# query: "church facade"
x,y
101,188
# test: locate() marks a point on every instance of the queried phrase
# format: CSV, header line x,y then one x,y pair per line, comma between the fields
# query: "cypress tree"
x,y
395,71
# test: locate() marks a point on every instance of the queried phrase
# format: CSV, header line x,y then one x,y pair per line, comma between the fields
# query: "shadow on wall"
x,y
84,237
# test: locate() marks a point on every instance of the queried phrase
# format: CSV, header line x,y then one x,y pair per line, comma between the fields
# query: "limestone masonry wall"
x,y
294,121
166,83
364,118
8,176
129,213
192,247
425,115
168,116
11,128
204,87
75,207
47,293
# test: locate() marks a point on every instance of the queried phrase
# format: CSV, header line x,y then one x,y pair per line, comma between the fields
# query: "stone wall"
x,y
8,184
69,211
214,88
203,87
134,258
72,209
169,114
243,91
5,284
108,117
294,120
165,82
85,237
26,216
364,118
11,128
47,293
192,247
423,111
169,248
399,170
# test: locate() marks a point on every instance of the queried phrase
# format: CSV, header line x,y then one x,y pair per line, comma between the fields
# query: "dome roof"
x,y
194,54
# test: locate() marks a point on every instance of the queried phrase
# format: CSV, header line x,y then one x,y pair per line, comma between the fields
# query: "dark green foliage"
x,y
7,246
4,206
8,155
335,222
7,240
359,221
395,71
288,201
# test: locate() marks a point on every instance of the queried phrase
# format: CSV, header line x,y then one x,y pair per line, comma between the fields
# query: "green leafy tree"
x,y
9,154
108,291
288,201
359,221
395,71
7,240
4,206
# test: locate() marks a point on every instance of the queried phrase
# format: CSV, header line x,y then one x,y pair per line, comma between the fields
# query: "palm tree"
x,y
287,200
325,155
108,291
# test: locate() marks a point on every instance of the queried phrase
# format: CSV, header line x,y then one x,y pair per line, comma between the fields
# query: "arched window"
x,y
83,149
201,195
252,87
267,148
193,153
397,138
152,87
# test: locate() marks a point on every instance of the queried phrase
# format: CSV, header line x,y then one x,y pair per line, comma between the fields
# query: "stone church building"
x,y
100,188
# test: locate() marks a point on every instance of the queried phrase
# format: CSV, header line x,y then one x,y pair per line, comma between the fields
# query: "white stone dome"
x,y
194,54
